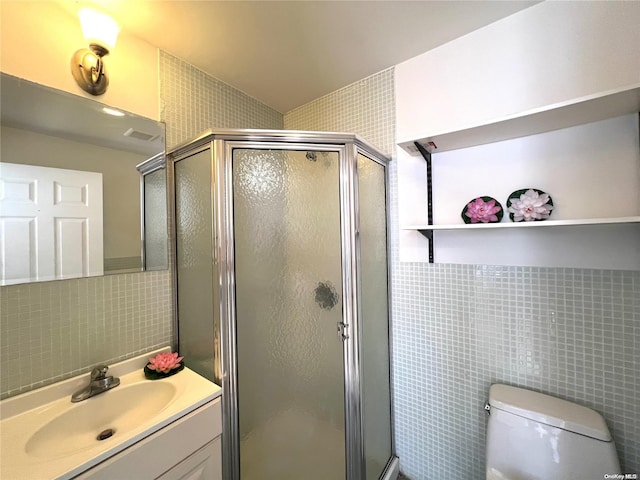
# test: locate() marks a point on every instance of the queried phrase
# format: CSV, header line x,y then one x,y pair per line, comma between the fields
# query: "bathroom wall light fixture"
x,y
87,65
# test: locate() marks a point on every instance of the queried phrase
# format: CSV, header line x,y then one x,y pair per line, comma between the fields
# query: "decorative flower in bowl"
x,y
482,210
529,205
163,365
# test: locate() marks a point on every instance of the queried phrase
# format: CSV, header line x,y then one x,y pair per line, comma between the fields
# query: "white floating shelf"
x,y
592,108
546,223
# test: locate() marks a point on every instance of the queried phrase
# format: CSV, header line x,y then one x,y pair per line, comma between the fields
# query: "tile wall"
x,y
457,329
366,108
50,331
192,101
572,333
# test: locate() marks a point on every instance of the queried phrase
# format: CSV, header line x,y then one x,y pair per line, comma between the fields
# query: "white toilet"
x,y
531,436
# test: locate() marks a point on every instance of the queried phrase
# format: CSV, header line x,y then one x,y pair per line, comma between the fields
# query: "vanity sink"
x,y
100,418
45,435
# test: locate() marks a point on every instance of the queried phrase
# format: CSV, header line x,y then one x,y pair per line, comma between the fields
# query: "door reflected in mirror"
x,y
82,187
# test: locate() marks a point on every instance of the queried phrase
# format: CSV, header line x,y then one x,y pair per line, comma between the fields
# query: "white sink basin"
x,y
44,435
118,410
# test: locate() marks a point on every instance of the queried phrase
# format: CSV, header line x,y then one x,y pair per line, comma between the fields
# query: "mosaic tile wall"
x,y
50,331
365,108
457,329
192,101
571,333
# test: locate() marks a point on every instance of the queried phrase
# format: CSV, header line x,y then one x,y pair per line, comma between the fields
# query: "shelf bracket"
x,y
428,233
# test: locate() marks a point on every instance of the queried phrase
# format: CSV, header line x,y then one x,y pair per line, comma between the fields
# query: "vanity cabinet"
x,y
187,449
584,153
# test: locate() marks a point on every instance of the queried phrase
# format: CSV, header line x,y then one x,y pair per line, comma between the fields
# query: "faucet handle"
x,y
99,372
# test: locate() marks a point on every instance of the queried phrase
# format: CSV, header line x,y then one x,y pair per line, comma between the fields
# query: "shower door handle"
x,y
342,331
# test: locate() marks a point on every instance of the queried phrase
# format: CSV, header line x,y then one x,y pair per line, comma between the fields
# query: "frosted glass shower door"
x,y
286,209
374,317
198,297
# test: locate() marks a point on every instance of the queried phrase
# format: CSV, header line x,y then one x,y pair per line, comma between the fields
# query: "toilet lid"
x,y
549,410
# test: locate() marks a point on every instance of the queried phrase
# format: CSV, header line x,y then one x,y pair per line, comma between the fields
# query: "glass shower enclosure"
x,y
282,299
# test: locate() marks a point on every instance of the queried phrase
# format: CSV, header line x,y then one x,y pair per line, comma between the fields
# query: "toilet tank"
x,y
532,436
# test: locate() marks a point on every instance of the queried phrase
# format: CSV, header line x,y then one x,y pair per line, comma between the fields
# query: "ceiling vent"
x,y
138,135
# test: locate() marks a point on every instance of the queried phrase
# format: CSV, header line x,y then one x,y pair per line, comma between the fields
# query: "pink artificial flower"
x,y
481,211
164,362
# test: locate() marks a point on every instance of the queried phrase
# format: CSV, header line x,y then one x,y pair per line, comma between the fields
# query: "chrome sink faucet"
x,y
100,382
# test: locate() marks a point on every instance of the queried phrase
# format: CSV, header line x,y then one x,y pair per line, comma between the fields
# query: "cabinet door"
x,y
205,464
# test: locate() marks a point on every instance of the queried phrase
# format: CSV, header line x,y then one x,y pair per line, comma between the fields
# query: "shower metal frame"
x,y
221,143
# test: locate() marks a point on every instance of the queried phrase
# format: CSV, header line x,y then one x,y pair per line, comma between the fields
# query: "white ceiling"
x,y
287,53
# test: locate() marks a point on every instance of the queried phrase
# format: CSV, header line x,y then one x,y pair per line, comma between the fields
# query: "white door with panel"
x,y
50,223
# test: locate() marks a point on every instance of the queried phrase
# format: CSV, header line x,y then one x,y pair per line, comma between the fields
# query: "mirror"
x,y
82,187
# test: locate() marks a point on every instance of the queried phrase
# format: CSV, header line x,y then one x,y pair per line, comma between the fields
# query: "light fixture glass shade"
x,y
99,28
